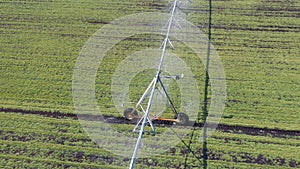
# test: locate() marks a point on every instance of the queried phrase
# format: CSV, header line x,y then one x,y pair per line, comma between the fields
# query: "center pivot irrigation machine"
x,y
156,85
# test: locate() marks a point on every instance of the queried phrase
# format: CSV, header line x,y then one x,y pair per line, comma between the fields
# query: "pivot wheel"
x,y
130,113
182,118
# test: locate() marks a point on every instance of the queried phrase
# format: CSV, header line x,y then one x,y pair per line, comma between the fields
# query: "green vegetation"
x,y
36,141
257,41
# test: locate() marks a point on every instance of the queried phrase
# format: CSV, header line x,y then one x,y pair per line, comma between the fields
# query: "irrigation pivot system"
x,y
131,113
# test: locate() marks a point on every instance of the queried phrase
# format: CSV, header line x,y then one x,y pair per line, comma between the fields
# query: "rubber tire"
x,y
130,113
182,118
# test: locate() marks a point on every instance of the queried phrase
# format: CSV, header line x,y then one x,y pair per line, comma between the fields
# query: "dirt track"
x,y
120,120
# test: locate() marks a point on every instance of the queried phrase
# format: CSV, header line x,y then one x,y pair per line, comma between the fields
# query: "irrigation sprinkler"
x,y
131,113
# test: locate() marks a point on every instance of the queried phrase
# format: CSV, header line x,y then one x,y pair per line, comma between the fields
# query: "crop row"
x,y
42,57
86,156
257,43
58,139
17,161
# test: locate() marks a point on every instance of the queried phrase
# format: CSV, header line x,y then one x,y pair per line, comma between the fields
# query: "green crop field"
x,y
258,42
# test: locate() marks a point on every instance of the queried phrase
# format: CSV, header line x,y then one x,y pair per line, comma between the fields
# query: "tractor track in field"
x,y
255,131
